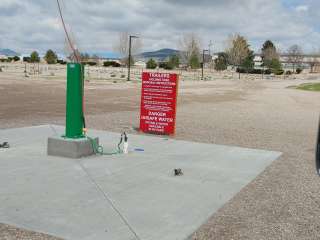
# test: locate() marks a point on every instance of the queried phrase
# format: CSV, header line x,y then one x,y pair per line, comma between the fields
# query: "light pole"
x,y
211,59
129,59
203,52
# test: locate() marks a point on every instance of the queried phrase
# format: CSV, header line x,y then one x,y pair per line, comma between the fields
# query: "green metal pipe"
x,y
74,105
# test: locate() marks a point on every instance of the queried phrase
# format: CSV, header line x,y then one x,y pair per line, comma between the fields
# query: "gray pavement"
x,y
132,196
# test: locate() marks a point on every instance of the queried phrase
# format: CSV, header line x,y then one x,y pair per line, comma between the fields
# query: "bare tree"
x,y
270,54
237,50
314,60
314,63
189,46
85,57
122,45
71,51
295,56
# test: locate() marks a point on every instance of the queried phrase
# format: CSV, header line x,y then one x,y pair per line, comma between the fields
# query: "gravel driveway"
x,y
281,203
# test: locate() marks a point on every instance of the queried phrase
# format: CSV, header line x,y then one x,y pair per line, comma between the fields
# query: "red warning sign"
x,y
158,103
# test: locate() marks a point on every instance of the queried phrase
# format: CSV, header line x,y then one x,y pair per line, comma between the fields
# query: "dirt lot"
x,y
282,203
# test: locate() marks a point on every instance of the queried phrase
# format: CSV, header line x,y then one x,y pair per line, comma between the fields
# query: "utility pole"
x,y
203,58
129,57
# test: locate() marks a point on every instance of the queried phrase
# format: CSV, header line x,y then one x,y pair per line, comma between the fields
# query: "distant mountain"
x,y
160,55
8,52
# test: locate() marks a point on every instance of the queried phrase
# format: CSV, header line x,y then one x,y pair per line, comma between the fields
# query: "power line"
x,y
66,32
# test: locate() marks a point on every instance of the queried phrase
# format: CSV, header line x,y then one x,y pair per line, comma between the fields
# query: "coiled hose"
x,y
98,149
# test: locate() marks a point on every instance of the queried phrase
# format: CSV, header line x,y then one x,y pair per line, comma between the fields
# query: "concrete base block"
x,y
70,148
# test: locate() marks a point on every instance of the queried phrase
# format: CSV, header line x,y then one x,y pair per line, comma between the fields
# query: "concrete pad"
x,y
71,148
133,196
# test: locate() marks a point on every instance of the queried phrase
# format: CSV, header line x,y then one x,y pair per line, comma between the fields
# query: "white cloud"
x,y
53,23
34,24
302,8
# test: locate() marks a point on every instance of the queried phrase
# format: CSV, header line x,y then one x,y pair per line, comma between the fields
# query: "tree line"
x,y
237,54
50,57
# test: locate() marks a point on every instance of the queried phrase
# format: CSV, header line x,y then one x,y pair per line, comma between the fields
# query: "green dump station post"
x,y
74,104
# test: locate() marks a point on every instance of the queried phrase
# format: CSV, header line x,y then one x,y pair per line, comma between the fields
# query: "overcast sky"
x,y
28,25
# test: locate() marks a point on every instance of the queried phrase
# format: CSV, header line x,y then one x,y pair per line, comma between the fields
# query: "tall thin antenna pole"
x,y
129,59
66,32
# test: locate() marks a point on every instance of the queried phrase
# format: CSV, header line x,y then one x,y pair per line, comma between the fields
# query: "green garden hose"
x,y
98,149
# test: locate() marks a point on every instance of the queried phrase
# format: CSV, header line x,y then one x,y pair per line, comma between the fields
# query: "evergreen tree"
x,y
151,64
34,57
221,63
194,61
248,63
51,57
174,61
275,66
269,53
267,44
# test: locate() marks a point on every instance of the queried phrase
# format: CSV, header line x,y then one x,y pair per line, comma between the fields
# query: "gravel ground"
x,y
281,203
8,232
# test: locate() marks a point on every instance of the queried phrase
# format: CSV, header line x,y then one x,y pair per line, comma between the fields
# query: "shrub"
x,y
111,64
268,71
288,72
151,64
162,64
166,65
254,71
298,70
26,59
91,63
61,62
169,66
16,58
278,71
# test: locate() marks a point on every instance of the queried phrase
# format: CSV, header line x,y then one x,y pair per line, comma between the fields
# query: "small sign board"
x,y
158,103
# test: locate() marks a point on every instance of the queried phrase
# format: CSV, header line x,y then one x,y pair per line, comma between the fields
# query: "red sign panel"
x,y
158,103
